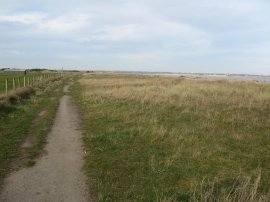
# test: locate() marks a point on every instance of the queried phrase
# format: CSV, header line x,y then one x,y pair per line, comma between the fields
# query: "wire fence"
x,y
11,83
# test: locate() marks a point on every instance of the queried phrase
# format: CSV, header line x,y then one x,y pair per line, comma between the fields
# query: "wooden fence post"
x,y
23,81
13,81
19,82
6,86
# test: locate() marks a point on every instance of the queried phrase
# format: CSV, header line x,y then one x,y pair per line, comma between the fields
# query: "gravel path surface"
x,y
57,175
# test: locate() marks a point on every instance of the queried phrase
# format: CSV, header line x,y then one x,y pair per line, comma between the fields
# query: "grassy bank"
x,y
24,125
175,139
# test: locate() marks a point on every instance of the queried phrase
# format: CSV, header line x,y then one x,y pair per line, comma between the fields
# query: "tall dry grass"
x,y
180,91
242,190
15,96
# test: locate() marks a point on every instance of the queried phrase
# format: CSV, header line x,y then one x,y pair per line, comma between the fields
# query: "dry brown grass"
x,y
243,190
15,96
180,91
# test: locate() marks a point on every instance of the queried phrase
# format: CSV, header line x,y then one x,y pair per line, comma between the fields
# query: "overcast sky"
x,y
217,36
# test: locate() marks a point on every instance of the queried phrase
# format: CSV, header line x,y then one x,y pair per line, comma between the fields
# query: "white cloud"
x,y
24,18
44,23
149,31
239,7
63,24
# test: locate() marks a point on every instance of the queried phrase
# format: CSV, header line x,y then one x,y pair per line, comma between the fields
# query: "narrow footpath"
x,y
57,175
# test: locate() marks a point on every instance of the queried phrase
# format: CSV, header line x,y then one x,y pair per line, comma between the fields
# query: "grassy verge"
x,y
161,139
27,123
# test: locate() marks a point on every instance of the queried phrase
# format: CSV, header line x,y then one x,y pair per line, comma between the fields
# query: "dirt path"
x,y
57,175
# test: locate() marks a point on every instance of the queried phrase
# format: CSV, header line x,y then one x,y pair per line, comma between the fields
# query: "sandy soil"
x,y
57,176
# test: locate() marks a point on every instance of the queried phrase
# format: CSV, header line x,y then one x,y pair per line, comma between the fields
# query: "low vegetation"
x,y
15,96
175,139
24,122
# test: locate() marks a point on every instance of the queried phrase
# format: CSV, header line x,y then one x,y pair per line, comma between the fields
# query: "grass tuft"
x,y
15,96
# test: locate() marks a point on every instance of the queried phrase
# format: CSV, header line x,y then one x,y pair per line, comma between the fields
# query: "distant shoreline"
x,y
210,76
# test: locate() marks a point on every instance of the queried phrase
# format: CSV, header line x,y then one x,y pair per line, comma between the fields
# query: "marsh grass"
x,y
154,138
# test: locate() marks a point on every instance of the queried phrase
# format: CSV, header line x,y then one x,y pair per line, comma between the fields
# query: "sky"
x,y
206,36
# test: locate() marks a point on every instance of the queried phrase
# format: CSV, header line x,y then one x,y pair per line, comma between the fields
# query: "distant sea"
x,y
209,76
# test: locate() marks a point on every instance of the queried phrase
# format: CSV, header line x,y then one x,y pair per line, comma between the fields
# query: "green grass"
x,y
19,122
157,139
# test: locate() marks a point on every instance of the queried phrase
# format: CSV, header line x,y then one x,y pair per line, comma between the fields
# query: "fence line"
x,y
27,81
